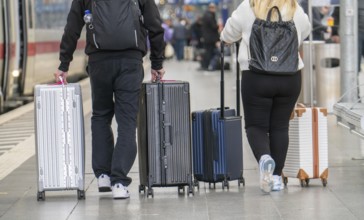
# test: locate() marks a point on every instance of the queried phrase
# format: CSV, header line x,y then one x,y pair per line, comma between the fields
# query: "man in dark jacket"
x,y
210,35
318,29
116,77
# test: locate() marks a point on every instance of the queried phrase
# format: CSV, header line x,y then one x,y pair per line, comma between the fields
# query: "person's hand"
x,y
335,39
61,76
157,74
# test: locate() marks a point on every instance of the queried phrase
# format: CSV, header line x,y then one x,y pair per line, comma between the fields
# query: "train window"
x,y
51,13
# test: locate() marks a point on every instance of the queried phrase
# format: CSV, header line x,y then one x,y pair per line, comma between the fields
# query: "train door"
x,y
4,51
24,27
2,55
28,62
14,50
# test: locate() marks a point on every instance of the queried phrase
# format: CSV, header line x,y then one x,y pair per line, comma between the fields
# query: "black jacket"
x,y
210,29
75,23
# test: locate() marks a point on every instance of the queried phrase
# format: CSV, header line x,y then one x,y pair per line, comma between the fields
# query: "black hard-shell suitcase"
x,y
217,141
164,136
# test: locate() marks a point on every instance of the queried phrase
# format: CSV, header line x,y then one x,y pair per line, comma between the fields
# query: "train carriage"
x,y
30,34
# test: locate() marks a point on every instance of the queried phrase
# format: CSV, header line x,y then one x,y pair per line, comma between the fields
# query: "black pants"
x,y
268,101
115,86
208,54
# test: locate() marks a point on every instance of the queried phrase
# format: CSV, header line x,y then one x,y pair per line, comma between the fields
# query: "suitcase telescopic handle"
x,y
222,82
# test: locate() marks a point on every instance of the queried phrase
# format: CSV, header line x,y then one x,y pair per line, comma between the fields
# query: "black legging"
x,y
268,101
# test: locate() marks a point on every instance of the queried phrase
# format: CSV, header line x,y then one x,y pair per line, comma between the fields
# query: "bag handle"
x,y
270,13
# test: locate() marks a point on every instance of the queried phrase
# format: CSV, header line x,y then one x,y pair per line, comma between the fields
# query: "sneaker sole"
x,y
277,189
104,189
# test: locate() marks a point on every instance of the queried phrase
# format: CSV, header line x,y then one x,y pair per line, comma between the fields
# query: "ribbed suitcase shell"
x,y
214,160
164,136
307,155
60,144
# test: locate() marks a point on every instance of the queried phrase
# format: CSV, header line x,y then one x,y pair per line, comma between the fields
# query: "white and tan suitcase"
x,y
60,144
307,156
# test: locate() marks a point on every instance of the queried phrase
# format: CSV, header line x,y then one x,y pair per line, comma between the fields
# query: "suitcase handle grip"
x,y
168,133
222,83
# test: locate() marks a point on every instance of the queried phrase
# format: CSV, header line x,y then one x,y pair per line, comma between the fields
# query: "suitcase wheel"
x,y
191,190
285,181
324,182
150,192
304,182
141,188
181,188
81,194
196,183
41,196
241,181
225,183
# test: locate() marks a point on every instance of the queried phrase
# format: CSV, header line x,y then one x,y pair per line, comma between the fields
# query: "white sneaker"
x,y
266,167
277,183
120,192
104,183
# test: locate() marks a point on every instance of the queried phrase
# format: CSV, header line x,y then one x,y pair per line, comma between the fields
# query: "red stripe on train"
x,y
49,47
39,48
1,51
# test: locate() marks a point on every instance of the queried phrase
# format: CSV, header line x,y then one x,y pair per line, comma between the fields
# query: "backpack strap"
x,y
270,13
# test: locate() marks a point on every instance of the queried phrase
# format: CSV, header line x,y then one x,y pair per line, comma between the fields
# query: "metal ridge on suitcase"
x,y
60,144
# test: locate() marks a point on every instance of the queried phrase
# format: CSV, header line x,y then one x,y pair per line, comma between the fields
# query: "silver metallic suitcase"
x,y
60,144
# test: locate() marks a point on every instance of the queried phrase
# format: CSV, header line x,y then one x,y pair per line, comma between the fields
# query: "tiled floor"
x,y
343,198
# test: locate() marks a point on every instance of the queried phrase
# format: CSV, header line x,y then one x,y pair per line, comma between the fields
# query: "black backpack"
x,y
116,25
274,46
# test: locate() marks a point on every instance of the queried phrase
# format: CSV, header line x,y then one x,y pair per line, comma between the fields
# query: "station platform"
x,y
342,198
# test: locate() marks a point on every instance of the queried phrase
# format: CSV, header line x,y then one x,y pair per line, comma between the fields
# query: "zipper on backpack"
x,y
248,50
94,38
136,38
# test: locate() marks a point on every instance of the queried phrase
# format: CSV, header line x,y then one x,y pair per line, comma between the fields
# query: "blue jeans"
x,y
115,86
179,46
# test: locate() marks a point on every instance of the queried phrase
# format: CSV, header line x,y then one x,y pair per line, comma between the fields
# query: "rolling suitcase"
x,y
164,136
60,144
217,140
307,156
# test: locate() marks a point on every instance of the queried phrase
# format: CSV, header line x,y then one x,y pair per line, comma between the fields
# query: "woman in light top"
x,y
268,100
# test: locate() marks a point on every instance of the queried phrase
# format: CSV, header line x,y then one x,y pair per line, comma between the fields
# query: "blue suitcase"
x,y
217,142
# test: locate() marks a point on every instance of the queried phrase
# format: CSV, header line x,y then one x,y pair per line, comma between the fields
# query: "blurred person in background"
x,y
318,29
210,35
360,32
179,39
196,38
168,35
